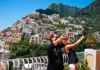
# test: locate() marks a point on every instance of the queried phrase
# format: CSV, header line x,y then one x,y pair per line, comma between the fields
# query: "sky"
x,y
13,10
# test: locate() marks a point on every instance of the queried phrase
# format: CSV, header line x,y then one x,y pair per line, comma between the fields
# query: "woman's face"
x,y
68,42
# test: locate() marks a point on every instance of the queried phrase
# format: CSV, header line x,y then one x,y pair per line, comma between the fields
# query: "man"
x,y
55,59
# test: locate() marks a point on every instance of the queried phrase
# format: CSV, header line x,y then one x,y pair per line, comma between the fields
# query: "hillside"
x,y
93,12
63,10
47,11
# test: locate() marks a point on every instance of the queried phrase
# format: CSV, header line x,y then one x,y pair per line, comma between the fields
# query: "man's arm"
x,y
58,40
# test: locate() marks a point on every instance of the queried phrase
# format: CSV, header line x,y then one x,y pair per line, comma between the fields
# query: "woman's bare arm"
x,y
75,44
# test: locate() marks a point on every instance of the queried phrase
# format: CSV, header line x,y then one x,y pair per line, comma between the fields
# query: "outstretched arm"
x,y
75,44
59,39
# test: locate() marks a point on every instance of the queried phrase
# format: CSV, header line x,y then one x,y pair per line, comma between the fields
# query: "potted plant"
x,y
91,40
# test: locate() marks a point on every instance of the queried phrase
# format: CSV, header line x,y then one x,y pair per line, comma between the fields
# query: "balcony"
x,y
32,63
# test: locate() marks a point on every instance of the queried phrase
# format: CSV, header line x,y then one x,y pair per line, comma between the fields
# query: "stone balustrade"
x,y
31,63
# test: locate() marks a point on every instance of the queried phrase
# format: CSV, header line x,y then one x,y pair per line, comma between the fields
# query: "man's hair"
x,y
51,34
50,39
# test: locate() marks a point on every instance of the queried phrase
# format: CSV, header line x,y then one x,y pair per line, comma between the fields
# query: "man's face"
x,y
50,34
55,37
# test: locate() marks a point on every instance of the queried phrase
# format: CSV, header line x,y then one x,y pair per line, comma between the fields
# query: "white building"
x,y
2,43
37,38
97,35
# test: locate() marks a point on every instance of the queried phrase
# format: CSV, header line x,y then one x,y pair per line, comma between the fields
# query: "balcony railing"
x,y
32,63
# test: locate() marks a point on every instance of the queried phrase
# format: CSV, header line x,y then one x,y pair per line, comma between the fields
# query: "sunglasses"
x,y
55,36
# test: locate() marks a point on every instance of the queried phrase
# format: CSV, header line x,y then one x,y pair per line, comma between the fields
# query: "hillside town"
x,y
40,26
36,27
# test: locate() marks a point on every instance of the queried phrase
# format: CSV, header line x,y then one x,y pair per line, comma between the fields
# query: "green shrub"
x,y
83,65
65,66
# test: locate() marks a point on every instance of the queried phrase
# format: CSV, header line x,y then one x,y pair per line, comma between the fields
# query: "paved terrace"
x,y
32,63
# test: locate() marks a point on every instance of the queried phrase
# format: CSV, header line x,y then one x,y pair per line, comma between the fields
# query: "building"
x,y
14,38
2,43
37,38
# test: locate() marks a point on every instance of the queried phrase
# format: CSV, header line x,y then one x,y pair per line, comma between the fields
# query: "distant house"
x,y
67,29
37,38
55,16
44,41
11,39
14,38
2,43
1,35
71,34
36,14
15,29
97,35
59,32
64,21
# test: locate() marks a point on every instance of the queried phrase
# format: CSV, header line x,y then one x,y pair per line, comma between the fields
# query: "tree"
x,y
83,65
32,33
91,40
22,37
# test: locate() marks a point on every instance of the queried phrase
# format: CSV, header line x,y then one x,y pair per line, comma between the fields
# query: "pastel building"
x,y
37,38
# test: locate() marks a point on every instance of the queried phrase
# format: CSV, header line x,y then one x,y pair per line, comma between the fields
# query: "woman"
x,y
72,57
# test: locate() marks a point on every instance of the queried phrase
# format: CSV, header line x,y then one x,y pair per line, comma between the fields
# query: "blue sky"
x,y
13,10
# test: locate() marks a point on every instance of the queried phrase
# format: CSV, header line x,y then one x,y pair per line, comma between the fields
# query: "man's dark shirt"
x,y
55,59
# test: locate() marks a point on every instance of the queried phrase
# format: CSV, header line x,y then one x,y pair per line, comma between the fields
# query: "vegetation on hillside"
x,y
63,10
23,49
